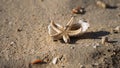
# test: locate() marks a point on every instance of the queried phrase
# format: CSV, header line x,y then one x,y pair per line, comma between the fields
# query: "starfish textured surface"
x,y
57,31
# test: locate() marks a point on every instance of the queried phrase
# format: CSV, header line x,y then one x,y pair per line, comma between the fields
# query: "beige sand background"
x,y
24,34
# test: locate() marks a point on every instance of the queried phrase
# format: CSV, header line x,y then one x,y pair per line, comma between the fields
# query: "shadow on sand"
x,y
89,35
111,7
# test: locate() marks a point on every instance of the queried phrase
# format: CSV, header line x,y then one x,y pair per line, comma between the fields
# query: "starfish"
x,y
65,32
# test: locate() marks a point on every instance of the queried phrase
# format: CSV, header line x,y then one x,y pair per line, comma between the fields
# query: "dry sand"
x,y
24,34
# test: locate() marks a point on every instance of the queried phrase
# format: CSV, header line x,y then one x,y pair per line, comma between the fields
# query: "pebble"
x,y
101,4
117,29
54,61
19,30
10,23
96,45
72,47
12,43
46,60
36,60
96,64
82,66
104,39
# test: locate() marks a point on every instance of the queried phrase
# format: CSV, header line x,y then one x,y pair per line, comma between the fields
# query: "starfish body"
x,y
64,32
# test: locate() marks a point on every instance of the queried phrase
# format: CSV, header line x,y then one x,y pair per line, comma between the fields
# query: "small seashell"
x,y
54,61
12,43
36,60
78,10
101,4
104,39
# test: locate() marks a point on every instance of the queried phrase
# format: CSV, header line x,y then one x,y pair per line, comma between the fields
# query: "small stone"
x,y
104,39
10,23
117,29
87,45
82,66
72,47
97,44
54,61
94,46
101,4
96,64
46,60
12,43
19,30
63,58
114,53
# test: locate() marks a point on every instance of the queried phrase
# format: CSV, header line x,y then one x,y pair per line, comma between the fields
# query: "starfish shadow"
x,y
89,35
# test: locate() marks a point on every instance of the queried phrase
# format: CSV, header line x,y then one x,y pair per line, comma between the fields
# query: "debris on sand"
x,y
19,30
54,61
104,39
117,29
101,4
72,47
82,66
12,43
78,10
96,45
36,60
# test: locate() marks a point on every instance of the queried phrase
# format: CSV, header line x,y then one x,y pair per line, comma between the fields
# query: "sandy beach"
x,y
24,34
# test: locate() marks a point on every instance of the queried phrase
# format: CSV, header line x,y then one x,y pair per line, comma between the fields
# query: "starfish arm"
x,y
59,26
56,36
74,26
66,38
56,27
81,28
74,32
70,22
49,30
